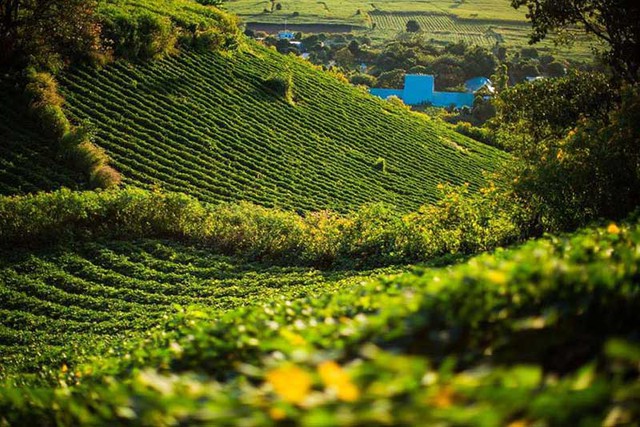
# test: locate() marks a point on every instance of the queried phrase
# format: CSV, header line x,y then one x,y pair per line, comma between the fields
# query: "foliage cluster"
x,y
614,22
577,147
461,223
48,33
73,143
544,334
151,29
281,84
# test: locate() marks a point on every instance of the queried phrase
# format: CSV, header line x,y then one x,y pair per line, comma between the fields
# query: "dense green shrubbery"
x,y
281,84
577,148
151,29
45,104
376,234
541,335
143,36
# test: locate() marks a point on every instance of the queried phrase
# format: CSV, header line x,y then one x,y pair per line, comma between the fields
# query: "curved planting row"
x,y
207,125
103,291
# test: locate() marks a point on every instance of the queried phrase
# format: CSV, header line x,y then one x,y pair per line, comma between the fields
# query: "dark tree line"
x,y
47,31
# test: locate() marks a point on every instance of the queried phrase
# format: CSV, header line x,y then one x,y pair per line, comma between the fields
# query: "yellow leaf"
x,y
277,414
613,229
290,382
497,277
443,399
334,377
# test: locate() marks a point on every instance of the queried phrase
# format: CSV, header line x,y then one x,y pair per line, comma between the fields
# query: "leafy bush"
x,y
42,90
380,164
281,84
140,36
375,234
577,148
52,121
363,79
104,176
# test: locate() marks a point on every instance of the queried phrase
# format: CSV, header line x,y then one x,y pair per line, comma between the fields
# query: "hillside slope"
x,y
29,161
209,125
544,334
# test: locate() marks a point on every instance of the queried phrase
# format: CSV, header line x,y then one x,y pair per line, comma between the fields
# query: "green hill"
x,y
91,334
211,126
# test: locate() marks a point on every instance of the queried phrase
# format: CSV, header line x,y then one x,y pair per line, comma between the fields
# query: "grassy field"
x,y
477,22
208,125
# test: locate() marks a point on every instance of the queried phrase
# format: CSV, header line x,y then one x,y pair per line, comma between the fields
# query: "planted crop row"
x,y
544,334
205,124
108,290
439,26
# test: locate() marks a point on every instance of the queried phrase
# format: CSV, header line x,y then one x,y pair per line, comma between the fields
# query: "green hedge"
x,y
375,234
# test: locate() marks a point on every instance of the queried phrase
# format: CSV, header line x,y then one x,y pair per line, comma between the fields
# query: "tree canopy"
x,y
615,22
47,30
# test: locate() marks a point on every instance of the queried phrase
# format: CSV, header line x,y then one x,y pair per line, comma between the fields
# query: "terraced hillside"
x,y
442,346
28,160
63,299
209,125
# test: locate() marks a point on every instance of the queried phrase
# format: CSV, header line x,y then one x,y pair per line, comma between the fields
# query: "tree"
x,y
413,26
47,30
392,79
615,22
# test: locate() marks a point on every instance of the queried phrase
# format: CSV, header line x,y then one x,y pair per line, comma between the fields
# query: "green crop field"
x,y
28,160
206,124
100,293
477,22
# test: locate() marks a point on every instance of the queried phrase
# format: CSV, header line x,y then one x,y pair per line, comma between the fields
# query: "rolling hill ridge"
x,y
209,124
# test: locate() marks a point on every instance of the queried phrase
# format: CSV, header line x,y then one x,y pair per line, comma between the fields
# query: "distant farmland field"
x,y
477,22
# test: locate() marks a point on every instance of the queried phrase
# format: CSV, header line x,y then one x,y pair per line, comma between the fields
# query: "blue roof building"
x,y
286,35
477,83
419,89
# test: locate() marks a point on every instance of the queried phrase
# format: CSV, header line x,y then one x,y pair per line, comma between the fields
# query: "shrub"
x,y
42,90
52,121
380,164
376,234
104,177
209,40
281,84
139,36
86,156
363,79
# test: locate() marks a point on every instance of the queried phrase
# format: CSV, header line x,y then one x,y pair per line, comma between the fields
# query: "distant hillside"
x,y
212,125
